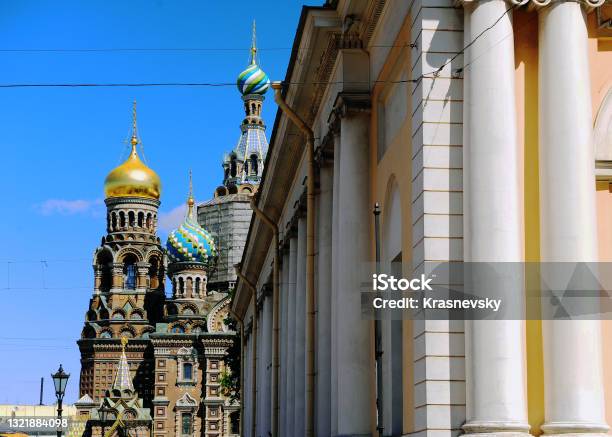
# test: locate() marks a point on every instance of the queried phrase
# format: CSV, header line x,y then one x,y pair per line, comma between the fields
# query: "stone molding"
x,y
112,201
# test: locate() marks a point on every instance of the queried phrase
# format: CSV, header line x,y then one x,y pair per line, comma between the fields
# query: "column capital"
x,y
537,3
347,104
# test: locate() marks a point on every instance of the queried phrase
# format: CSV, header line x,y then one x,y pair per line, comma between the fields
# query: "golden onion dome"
x,y
133,178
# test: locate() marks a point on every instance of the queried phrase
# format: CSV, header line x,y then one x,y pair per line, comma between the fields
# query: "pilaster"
x,y
437,33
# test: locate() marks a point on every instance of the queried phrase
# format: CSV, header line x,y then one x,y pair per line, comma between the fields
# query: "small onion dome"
x,y
190,242
253,80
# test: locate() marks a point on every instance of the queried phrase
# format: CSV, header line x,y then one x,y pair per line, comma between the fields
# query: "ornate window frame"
x,y
183,356
185,405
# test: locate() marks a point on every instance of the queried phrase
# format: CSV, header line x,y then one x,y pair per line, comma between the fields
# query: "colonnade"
x,y
495,355
496,400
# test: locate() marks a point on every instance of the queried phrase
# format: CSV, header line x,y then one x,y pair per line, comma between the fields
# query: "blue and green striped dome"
x,y
253,80
191,243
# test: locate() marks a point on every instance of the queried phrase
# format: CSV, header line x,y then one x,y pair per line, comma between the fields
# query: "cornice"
x,y
112,201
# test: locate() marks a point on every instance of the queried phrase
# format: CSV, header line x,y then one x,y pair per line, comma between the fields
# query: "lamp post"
x,y
60,379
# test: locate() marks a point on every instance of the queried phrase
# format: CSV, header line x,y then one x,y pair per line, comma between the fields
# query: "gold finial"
x,y
254,45
134,141
124,342
190,200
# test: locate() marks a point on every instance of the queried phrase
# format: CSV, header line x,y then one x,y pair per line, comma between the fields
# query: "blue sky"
x,y
58,144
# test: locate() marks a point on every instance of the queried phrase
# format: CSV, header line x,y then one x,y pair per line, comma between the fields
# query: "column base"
x,y
575,429
496,428
498,434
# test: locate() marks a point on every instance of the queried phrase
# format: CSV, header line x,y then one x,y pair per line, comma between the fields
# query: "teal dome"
x,y
253,80
191,243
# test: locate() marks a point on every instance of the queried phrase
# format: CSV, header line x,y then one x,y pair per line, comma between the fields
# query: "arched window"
x,y
186,425
140,219
103,261
114,221
129,272
149,222
132,219
233,167
254,169
187,371
234,418
198,284
181,286
154,273
122,219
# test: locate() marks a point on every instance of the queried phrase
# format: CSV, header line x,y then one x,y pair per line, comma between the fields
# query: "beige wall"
x,y
394,171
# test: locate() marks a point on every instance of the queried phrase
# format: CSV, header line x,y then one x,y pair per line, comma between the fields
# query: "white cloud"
x,y
70,207
168,221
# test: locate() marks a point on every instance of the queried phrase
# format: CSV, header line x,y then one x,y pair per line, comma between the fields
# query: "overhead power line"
x,y
431,75
167,49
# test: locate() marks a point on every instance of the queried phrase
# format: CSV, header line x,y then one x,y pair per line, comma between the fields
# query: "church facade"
x,y
152,363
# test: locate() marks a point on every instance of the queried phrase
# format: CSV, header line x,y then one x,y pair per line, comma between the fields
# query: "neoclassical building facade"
x,y
483,130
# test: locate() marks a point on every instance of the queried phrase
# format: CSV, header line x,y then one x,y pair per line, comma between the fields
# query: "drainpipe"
x,y
241,324
275,316
251,287
310,252
378,350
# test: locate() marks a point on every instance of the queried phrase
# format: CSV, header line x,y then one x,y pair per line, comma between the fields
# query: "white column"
x,y
574,399
495,369
353,342
291,375
300,332
323,301
335,281
246,390
266,365
284,344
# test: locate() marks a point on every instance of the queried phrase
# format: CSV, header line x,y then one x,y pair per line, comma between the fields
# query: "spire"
x,y
190,200
254,46
134,141
123,379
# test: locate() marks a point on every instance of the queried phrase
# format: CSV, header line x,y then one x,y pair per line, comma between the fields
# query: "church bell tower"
x,y
129,268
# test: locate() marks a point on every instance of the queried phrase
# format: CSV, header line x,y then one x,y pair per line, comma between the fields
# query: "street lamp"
x,y
60,379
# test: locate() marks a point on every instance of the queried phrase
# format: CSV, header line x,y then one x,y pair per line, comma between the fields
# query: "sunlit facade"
x,y
482,128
